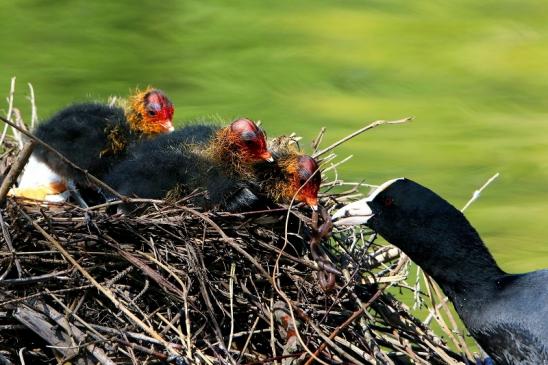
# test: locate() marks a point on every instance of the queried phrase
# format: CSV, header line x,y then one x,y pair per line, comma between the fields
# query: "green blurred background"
x,y
473,73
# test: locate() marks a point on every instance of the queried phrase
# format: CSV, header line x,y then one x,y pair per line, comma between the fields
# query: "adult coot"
x,y
506,313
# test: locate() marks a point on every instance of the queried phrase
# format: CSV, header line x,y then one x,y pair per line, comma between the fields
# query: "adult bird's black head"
x,y
428,229
505,313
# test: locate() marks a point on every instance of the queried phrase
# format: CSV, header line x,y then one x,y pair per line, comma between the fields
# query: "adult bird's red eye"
x,y
387,201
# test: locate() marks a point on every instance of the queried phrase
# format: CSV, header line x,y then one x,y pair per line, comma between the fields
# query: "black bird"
x,y
507,314
95,136
196,157
293,174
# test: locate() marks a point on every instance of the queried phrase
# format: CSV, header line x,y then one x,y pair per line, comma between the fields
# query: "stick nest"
x,y
176,285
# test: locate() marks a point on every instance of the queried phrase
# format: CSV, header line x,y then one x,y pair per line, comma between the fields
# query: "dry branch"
x,y
16,169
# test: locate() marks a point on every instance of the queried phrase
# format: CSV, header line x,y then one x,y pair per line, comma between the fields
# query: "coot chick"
x,y
293,174
95,136
506,313
203,157
236,146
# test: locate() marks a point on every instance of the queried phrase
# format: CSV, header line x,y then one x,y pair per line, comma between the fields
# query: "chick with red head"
x,y
150,112
95,137
216,161
294,175
239,145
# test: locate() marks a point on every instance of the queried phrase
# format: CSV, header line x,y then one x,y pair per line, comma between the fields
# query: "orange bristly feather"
x,y
136,114
117,142
224,149
285,190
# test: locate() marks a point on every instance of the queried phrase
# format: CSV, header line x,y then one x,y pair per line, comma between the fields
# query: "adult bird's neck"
x,y
450,250
462,266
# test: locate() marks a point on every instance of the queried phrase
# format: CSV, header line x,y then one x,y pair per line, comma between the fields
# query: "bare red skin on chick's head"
x,y
151,112
250,140
159,110
307,178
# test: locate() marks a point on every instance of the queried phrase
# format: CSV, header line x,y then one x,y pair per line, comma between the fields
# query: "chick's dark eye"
x,y
153,108
303,180
248,137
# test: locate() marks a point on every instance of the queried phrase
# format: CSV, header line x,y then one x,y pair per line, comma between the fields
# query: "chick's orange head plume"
x,y
151,112
307,177
250,139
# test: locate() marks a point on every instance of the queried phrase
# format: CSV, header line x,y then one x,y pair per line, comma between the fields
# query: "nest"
x,y
174,284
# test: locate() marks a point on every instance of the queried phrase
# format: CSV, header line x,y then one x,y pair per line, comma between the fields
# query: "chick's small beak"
x,y
312,203
168,126
267,156
353,214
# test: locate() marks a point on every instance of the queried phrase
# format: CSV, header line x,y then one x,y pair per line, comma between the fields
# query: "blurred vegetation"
x,y
474,74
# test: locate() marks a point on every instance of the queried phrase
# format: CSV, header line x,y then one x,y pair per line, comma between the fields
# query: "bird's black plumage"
x,y
92,135
95,136
200,133
506,313
176,161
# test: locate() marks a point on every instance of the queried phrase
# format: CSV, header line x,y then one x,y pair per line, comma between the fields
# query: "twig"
x,y
247,341
231,295
34,115
335,165
316,142
18,120
9,243
10,108
35,279
461,343
134,335
16,169
144,349
21,357
272,329
477,193
360,131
